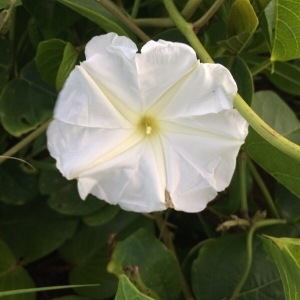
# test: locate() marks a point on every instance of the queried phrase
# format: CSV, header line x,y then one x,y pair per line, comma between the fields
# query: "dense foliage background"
x,y
232,250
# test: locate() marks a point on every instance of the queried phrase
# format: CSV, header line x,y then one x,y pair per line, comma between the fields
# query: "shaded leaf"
x,y
52,18
98,14
17,184
220,265
89,251
26,103
12,275
285,76
157,266
285,252
33,231
64,197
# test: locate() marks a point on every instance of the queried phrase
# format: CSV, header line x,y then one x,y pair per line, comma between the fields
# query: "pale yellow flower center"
x,y
148,125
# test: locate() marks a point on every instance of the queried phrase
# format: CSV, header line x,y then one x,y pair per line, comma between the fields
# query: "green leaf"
x,y
67,64
13,275
103,215
279,116
98,14
286,43
55,59
51,17
18,185
33,231
259,5
48,58
285,252
242,23
5,61
220,265
64,197
157,266
26,103
127,291
89,251
285,76
287,202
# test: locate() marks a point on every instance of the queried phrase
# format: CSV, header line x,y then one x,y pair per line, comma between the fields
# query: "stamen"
x,y
148,127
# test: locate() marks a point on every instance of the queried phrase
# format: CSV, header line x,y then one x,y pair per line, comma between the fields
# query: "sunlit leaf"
x,y
127,291
242,23
279,116
285,252
286,43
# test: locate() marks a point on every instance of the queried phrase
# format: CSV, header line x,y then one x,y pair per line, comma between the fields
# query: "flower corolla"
x,y
147,130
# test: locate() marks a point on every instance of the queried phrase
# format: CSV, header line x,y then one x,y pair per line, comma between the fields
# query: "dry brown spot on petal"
x,y
168,200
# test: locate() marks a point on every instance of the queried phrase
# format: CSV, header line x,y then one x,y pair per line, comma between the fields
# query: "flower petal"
x,y
158,68
81,102
209,143
131,180
111,64
208,88
78,149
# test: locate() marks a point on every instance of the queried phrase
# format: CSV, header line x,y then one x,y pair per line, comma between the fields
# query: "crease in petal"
x,y
110,40
188,188
207,88
78,149
129,180
82,103
158,68
114,71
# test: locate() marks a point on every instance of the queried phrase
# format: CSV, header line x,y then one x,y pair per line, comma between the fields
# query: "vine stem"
x,y
263,189
249,242
243,185
27,140
263,129
208,15
124,19
167,237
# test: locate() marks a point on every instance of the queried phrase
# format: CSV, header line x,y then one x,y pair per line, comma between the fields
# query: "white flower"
x,y
147,130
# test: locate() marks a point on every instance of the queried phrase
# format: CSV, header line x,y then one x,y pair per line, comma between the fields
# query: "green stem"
x,y
243,185
23,143
154,22
264,130
263,189
249,250
124,19
135,8
187,30
208,15
190,8
265,64
167,237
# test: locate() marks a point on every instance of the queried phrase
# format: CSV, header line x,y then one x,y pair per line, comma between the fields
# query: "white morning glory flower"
x,y
147,130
